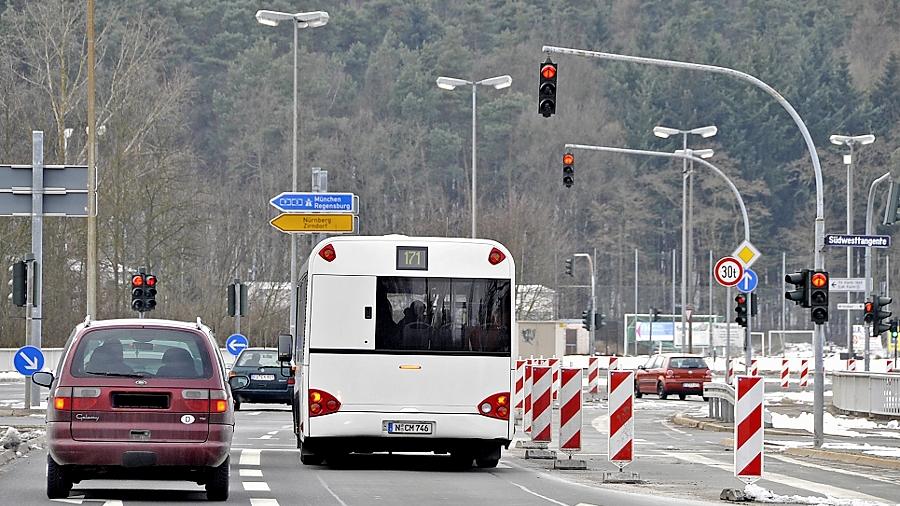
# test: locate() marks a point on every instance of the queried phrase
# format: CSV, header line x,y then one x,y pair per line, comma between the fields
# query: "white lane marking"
x,y
249,457
288,426
266,436
272,433
812,486
254,413
554,501
666,424
255,486
503,465
263,502
336,498
601,424
113,502
69,501
831,469
250,473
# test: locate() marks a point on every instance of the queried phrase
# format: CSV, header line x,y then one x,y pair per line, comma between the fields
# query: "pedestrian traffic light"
x,y
569,266
150,292
869,308
568,170
740,310
137,293
879,324
799,295
818,296
654,314
586,319
547,89
18,283
754,306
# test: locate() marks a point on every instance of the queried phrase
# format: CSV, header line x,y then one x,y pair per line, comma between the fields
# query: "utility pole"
x,y
635,304
37,248
91,267
593,320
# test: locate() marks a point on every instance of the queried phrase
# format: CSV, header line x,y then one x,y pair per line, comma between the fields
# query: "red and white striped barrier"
x,y
754,367
748,428
554,368
519,395
729,372
526,417
594,377
804,373
851,365
613,363
570,417
785,373
541,408
621,417
889,364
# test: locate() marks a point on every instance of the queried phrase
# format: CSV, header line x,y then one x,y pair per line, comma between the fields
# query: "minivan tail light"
x,y
322,403
196,400
218,401
62,399
496,256
85,398
495,406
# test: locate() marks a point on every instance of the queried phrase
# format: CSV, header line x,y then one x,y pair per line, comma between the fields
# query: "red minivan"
x,y
140,399
672,373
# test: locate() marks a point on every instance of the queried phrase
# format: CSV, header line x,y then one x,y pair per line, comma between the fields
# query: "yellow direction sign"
x,y
746,253
315,223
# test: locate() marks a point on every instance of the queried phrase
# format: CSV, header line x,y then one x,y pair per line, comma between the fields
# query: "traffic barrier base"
x,y
570,464
538,453
622,477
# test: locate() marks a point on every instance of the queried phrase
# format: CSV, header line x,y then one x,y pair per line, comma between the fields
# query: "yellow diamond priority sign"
x,y
317,223
746,253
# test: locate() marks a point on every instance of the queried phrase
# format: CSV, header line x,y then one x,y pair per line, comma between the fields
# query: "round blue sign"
x,y
748,282
236,343
28,360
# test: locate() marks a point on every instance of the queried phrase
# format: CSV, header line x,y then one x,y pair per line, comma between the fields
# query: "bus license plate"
x,y
691,385
262,377
409,427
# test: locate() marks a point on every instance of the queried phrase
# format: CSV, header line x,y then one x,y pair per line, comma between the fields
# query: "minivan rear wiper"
x,y
117,374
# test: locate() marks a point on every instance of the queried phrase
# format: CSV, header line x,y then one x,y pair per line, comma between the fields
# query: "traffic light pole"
x,y
819,244
868,262
37,248
593,317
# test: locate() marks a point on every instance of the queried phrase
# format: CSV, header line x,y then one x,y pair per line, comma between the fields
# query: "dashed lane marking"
x,y
249,457
336,498
263,502
272,432
256,486
253,413
554,501
250,473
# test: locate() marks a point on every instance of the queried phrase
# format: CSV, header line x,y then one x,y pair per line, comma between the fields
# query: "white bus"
x,y
404,344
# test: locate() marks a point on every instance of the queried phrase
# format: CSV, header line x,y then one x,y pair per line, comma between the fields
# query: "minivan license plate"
x,y
262,377
409,427
691,385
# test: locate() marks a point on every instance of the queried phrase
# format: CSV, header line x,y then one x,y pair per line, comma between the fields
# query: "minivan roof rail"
x,y
199,323
87,321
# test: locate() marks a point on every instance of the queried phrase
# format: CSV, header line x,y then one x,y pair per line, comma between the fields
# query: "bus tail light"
x,y
496,256
322,403
495,406
328,253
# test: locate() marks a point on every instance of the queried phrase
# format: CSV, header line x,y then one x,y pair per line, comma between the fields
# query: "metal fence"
x,y
867,393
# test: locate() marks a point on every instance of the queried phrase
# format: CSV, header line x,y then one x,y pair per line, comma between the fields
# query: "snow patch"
x,y
760,494
836,426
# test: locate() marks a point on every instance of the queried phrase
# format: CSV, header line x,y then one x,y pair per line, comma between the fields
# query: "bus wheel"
x,y
489,458
309,458
461,459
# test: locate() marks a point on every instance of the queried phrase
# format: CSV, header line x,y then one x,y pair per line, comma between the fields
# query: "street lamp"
x,y
687,210
850,142
312,19
451,83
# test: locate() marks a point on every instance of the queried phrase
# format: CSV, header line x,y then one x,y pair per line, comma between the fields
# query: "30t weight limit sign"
x,y
728,271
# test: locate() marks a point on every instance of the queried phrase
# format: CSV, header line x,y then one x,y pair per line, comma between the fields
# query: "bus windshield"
x,y
443,315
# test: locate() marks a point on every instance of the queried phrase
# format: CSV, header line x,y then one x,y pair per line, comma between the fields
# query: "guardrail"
x,y
866,393
721,401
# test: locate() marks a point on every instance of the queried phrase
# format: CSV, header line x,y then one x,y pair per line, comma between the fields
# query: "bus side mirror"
x,y
285,347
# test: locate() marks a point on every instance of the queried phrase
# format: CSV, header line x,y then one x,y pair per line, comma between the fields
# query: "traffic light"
x,y
754,306
232,300
894,330
137,293
569,266
799,295
150,292
654,314
869,308
599,320
881,314
568,170
547,90
818,296
740,310
18,283
586,319
893,205
233,309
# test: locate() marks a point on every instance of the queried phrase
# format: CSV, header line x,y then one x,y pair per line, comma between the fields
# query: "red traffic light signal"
x,y
547,89
137,280
548,71
819,280
151,281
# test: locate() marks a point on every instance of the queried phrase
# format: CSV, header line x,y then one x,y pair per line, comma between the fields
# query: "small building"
x,y
550,338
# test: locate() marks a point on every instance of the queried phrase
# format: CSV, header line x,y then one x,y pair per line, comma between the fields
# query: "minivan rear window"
x,y
159,353
687,363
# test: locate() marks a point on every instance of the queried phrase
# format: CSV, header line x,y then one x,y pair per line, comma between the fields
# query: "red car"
x,y
139,399
672,373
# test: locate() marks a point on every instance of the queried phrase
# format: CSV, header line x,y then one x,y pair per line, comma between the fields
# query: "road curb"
x,y
846,458
689,421
21,412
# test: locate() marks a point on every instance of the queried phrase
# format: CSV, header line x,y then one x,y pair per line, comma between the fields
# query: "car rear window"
x,y
161,353
255,358
687,363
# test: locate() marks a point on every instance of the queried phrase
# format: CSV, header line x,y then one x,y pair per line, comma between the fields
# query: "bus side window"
x,y
300,338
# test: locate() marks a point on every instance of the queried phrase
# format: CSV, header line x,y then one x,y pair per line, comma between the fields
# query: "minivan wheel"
x,y
661,391
682,396
58,482
217,484
637,392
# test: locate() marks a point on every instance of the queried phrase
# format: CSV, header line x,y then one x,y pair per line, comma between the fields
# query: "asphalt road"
x,y
678,466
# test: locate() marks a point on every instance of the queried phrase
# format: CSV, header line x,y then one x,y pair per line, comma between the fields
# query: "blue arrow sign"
x,y
293,202
28,360
235,343
749,281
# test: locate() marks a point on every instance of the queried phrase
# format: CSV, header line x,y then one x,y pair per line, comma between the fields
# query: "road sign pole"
x,y
237,306
727,328
748,352
37,247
